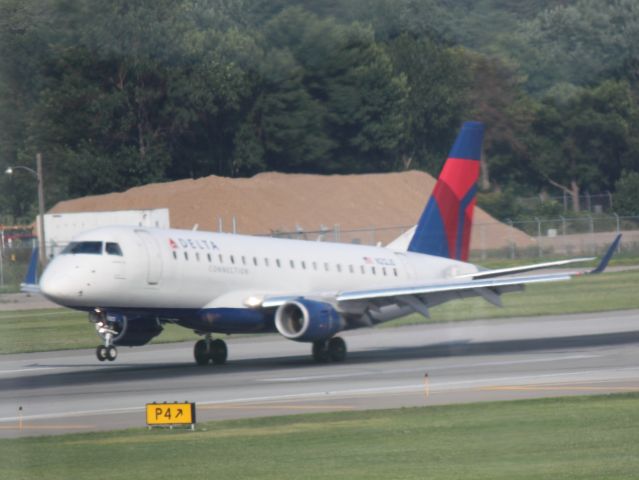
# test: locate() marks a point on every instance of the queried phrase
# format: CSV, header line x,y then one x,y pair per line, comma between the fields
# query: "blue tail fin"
x,y
444,227
30,284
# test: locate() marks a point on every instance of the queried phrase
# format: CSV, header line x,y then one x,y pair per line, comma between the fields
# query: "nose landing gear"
x,y
104,352
210,351
106,330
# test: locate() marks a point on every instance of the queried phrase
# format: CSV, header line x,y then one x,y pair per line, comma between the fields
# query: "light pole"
x,y
38,175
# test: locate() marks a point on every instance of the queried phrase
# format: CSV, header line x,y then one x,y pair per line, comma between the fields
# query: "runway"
x,y
70,391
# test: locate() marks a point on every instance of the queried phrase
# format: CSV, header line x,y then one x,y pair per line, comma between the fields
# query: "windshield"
x,y
113,249
93,248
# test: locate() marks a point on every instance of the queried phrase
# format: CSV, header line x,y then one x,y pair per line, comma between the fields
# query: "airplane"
x,y
133,280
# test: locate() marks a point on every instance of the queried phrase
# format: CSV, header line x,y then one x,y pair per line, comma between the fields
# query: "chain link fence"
x,y
535,238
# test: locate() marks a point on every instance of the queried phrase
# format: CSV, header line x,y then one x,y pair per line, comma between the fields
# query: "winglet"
x,y
606,258
30,284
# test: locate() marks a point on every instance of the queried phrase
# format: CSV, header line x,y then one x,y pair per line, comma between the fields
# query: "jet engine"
x,y
128,331
307,320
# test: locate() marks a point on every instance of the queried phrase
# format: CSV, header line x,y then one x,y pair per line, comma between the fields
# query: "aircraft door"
x,y
153,257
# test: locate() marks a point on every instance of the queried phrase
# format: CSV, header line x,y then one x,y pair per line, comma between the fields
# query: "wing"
x,y
603,263
418,298
387,303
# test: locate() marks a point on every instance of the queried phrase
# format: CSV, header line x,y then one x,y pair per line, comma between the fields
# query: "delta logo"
x,y
192,244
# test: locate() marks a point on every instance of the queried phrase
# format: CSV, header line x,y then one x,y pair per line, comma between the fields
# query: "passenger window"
x,y
303,265
174,254
232,260
243,260
208,257
326,266
197,256
221,258
314,265
255,261
384,271
292,263
395,271
361,267
266,262
277,262
373,270
339,268
351,269
186,256
113,249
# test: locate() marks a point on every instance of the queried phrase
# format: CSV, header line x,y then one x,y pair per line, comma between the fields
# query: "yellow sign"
x,y
170,413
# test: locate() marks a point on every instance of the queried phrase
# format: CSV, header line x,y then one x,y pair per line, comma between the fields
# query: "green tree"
x,y
626,200
498,99
578,42
583,143
439,85
327,99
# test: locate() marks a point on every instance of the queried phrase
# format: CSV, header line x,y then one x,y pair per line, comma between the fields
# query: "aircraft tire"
x,y
101,353
200,353
219,352
320,351
111,353
337,349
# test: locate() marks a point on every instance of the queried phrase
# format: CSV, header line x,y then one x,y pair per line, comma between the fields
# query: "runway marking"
x,y
421,369
436,387
275,407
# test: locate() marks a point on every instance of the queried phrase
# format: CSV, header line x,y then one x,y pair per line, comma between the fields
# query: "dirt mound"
x,y
270,202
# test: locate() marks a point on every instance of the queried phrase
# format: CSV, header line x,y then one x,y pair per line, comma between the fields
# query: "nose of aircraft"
x,y
55,285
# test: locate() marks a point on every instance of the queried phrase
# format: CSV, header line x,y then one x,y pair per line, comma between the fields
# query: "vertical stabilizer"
x,y
30,284
444,227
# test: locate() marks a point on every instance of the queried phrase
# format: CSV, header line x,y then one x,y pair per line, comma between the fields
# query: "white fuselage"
x,y
183,269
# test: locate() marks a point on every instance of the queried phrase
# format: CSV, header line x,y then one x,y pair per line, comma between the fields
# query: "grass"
x,y
564,438
60,329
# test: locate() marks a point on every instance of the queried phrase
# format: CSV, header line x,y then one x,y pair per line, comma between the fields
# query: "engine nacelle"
x,y
127,331
307,320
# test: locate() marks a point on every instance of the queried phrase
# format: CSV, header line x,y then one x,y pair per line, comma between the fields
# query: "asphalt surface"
x,y
70,391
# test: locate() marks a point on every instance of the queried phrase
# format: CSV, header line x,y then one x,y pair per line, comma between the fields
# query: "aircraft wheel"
x,y
337,349
200,353
101,353
320,351
111,353
218,352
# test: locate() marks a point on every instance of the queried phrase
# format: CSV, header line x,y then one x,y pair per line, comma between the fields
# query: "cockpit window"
x,y
93,248
113,249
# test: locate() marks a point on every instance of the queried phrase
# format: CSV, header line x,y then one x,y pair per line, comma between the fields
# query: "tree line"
x,y
118,94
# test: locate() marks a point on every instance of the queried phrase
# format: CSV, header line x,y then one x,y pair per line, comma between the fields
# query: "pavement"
x,y
532,357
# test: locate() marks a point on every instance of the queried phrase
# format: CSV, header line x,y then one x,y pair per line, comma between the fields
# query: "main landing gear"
x,y
210,351
333,350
